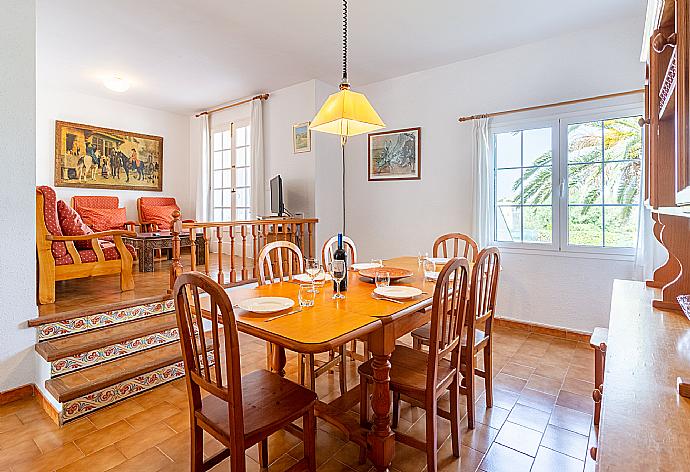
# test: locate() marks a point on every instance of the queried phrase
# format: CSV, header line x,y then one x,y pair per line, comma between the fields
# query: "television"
x,y
277,204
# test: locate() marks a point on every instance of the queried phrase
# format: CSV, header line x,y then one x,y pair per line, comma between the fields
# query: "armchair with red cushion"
x,y
102,213
155,213
67,248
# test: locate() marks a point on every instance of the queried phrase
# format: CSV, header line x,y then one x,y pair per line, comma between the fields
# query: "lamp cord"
x,y
344,40
342,142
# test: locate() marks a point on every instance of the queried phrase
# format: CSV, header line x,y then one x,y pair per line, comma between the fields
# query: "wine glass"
x,y
313,269
421,258
377,262
337,270
430,274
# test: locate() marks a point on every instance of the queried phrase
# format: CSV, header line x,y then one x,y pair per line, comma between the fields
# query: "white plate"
x,y
439,260
397,292
305,278
365,265
266,304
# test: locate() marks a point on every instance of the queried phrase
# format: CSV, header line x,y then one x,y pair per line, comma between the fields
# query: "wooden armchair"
x,y
84,203
155,213
59,258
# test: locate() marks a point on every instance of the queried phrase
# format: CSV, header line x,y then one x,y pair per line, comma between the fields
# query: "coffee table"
x,y
147,243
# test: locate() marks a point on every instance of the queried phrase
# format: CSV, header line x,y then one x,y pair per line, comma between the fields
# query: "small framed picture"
x,y
395,155
301,138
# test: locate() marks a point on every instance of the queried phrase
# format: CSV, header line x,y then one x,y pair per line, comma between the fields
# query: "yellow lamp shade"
x,y
346,113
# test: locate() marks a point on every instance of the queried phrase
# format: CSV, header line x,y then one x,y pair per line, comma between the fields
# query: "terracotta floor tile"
x,y
176,447
480,438
494,417
468,461
52,460
518,370
71,431
418,430
28,432
501,459
571,420
99,461
408,459
552,371
539,400
579,387
104,437
575,402
156,413
279,443
115,413
566,442
18,452
326,447
580,373
138,442
502,398
151,460
178,421
10,422
551,461
529,417
544,384
349,454
508,382
518,437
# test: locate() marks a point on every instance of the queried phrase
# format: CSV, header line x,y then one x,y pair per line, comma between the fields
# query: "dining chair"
x,y
330,246
327,251
424,377
279,261
239,411
461,245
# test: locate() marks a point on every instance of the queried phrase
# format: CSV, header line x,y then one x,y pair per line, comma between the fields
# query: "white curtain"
x,y
482,174
258,207
203,187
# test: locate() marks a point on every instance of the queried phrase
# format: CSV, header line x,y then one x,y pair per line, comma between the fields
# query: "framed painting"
x,y
395,155
91,157
301,138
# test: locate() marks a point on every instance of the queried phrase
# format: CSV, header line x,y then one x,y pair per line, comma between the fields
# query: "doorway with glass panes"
x,y
231,172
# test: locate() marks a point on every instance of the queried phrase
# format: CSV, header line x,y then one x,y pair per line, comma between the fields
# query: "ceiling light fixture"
x,y
346,113
116,84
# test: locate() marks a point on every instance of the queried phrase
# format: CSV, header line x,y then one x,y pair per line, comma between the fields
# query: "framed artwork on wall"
x,y
301,137
395,155
92,157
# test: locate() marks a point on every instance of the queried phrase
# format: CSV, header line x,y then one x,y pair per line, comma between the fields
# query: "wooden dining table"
x,y
331,323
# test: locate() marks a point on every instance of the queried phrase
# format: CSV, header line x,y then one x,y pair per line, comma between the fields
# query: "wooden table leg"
x,y
381,438
279,360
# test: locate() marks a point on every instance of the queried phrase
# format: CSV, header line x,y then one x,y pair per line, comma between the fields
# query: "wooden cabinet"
x,y
666,130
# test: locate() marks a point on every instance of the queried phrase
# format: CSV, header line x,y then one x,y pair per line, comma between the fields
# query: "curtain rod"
x,y
549,105
263,96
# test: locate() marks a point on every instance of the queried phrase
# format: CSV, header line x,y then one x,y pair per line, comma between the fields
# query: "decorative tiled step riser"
x,y
86,404
112,352
100,320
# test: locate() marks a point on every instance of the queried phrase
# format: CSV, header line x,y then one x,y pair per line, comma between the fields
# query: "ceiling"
x,y
186,55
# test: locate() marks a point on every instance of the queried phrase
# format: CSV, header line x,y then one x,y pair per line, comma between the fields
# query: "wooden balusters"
x,y
192,247
219,236
207,251
243,234
233,275
255,252
311,226
176,268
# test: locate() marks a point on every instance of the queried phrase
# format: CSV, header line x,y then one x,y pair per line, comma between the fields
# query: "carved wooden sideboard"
x,y
667,137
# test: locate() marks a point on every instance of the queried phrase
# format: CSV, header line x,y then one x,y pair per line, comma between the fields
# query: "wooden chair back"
x,y
278,260
330,246
462,246
214,368
483,288
447,317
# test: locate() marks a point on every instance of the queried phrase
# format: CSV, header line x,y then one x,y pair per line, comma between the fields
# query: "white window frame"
x,y
232,127
559,123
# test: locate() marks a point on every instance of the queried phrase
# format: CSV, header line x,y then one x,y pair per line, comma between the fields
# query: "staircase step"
x,y
54,349
94,379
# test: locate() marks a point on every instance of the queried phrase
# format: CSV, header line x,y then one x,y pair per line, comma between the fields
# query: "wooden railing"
x,y
237,244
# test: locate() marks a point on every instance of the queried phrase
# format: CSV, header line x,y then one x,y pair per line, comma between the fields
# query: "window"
x,y
231,178
569,184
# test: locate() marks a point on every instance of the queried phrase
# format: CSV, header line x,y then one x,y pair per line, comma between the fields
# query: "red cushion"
x,y
104,219
161,215
58,248
72,224
89,255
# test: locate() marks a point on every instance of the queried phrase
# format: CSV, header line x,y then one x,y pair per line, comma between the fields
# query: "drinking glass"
x,y
337,270
378,262
421,258
306,295
383,279
313,269
430,273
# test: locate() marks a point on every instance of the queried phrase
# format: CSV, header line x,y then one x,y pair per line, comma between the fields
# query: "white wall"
x,y
66,105
17,194
392,218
